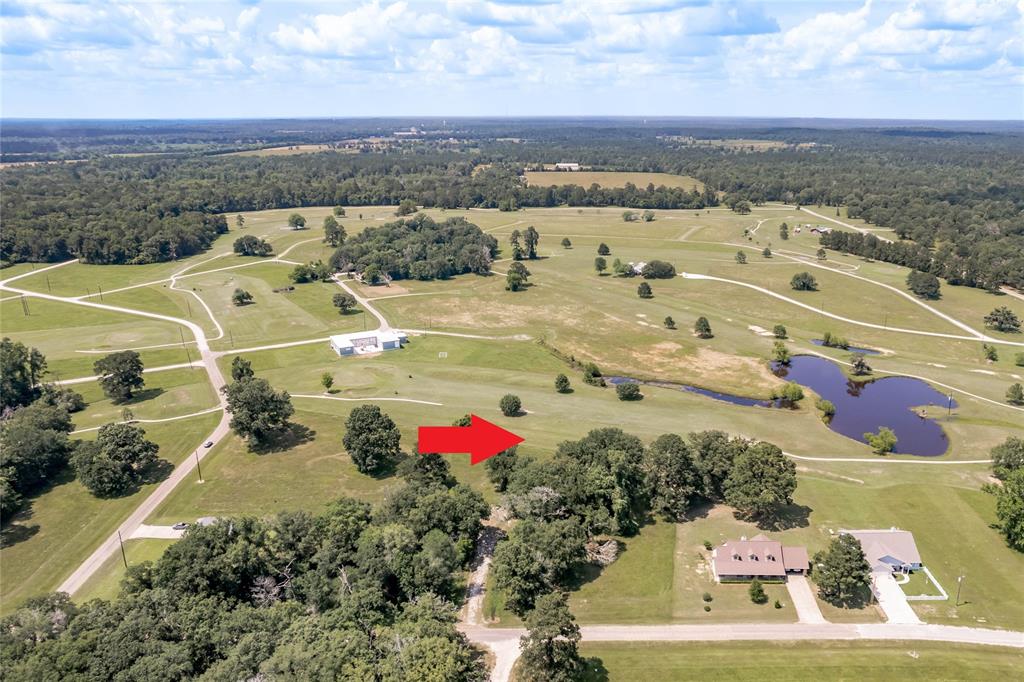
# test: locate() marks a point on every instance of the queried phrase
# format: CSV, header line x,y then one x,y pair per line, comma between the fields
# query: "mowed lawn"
x,y
62,525
106,581
799,661
610,179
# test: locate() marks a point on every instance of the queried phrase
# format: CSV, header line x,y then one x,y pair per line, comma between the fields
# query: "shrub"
x,y
778,604
707,597
628,391
644,290
828,409
562,383
804,281
707,545
756,592
510,405
779,331
707,608
702,328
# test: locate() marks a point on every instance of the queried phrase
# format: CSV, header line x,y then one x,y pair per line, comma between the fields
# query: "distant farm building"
x,y
759,557
637,268
889,551
360,343
820,229
567,166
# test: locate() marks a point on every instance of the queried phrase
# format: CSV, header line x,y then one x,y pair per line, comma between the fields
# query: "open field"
x,y
808,661
283,151
611,179
572,309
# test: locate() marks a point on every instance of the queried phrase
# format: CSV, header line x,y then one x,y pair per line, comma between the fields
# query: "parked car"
x,y
208,444
180,525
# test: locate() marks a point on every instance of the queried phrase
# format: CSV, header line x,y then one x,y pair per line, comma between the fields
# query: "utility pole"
x,y
199,468
959,583
189,306
24,306
121,542
100,290
48,287
189,356
182,335
231,337
949,406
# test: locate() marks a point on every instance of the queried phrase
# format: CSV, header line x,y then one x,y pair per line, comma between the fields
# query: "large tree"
x,y
296,221
530,240
21,370
537,557
116,461
842,572
1003,319
120,374
251,245
1010,509
1007,457
334,232
923,284
762,480
673,479
34,446
241,369
371,438
550,647
258,412
658,269
804,281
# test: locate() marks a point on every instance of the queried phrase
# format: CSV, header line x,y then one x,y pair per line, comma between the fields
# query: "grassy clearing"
x,y
811,661
64,524
173,393
106,582
611,179
283,151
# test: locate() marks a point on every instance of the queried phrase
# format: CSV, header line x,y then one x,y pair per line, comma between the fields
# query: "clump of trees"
x,y
418,248
1010,509
517,277
21,372
859,365
658,269
804,281
882,442
1007,457
350,592
1002,319
841,571
34,447
344,302
510,404
834,341
120,374
241,297
923,284
1015,394
310,272
334,232
371,439
628,390
258,412
250,245
116,462
780,353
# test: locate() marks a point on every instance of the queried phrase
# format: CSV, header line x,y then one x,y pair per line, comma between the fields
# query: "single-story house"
x,y
567,166
888,551
358,343
759,557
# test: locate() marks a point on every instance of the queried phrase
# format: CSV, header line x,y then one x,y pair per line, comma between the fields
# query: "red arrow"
x,y
481,439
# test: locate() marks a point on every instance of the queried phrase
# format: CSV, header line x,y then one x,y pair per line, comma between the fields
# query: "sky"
x,y
956,59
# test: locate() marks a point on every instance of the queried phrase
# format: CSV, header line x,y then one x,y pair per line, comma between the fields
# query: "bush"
x,y
828,409
707,608
644,290
510,405
778,604
592,375
779,331
628,391
804,281
707,545
241,297
707,596
562,383
756,592
658,269
702,328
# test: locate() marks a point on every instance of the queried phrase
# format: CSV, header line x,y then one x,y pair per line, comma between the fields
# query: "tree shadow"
x,y
594,670
16,529
785,518
156,472
589,572
697,511
141,396
293,435
860,599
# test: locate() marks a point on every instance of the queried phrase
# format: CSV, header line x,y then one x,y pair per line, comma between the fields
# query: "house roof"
x,y
758,556
887,548
347,340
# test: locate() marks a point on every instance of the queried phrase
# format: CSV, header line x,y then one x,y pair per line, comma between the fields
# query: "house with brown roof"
x,y
759,557
888,551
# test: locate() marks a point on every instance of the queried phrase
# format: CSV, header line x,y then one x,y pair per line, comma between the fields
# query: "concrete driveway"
x,y
802,596
892,600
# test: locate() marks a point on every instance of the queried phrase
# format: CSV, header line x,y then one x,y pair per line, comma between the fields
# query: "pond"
x,y
863,406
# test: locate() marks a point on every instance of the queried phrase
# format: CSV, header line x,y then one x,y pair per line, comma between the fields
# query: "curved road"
x,y
109,546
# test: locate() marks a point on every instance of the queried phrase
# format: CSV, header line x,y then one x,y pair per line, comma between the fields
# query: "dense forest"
x,y
351,593
938,187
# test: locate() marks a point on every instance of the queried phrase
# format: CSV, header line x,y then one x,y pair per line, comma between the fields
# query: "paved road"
x,y
504,642
110,545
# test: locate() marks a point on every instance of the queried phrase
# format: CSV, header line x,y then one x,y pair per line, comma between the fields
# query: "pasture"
x,y
521,340
610,179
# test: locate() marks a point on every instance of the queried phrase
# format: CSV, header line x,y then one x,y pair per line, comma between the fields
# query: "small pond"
x,y
863,406
851,349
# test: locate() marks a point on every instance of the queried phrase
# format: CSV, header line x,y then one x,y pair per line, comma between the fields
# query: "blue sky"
x,y
907,59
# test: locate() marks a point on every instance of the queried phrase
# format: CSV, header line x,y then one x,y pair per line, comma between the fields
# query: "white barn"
x,y
359,343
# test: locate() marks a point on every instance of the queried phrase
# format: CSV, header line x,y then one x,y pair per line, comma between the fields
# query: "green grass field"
x,y
807,661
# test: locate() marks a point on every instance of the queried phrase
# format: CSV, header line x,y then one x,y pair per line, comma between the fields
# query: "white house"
x,y
359,343
889,551
567,166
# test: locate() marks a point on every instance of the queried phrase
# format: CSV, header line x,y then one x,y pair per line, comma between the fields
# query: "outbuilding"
x,y
359,343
